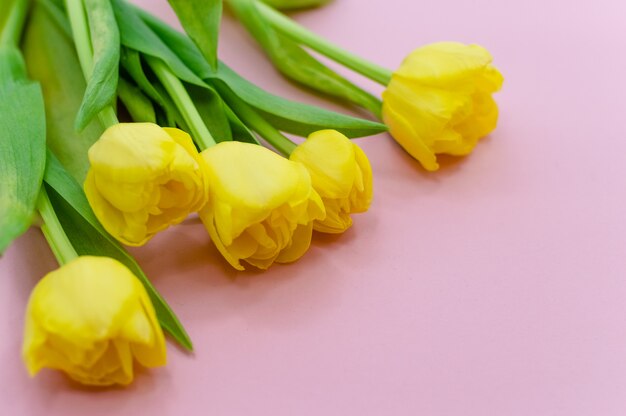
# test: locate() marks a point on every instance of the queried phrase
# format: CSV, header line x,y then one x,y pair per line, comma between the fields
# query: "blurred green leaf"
x,y
51,60
22,146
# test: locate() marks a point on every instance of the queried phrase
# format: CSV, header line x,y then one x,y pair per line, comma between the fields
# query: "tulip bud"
x,y
91,319
144,178
439,101
261,206
341,175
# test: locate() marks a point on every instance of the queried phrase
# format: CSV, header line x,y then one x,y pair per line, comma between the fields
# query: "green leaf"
x,y
201,21
56,13
51,59
289,116
22,146
186,50
173,116
105,39
241,132
5,8
137,35
131,62
212,110
12,67
295,4
138,105
89,238
296,118
297,64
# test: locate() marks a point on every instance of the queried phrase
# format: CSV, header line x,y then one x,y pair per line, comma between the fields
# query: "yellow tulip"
x,y
261,206
90,319
341,175
439,100
144,178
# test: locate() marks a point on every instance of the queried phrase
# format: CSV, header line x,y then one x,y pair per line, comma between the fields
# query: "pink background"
x,y
494,287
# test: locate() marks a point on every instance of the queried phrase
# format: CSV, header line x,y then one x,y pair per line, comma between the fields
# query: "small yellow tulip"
x,y
144,178
89,319
261,206
341,175
439,100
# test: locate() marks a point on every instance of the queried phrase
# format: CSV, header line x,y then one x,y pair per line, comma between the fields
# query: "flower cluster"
x,y
197,139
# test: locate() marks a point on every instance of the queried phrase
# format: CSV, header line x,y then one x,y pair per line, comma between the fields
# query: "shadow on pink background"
x,y
494,287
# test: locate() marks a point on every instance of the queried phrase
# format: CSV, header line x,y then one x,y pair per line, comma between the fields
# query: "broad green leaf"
x,y
137,35
51,60
138,105
22,146
297,64
201,21
293,117
89,238
105,40
289,116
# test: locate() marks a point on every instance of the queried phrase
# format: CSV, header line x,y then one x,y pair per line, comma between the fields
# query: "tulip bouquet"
x,y
194,137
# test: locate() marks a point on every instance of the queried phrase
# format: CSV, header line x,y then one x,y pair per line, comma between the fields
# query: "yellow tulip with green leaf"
x,y
92,319
144,178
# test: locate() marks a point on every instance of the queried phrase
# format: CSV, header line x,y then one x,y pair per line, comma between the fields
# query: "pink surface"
x,y
494,287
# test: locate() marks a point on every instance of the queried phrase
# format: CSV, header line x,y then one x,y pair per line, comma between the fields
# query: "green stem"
x,y
12,31
80,32
183,101
53,231
108,117
304,36
84,50
257,123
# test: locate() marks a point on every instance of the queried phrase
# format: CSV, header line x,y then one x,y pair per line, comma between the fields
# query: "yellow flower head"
x,y
90,318
261,206
341,175
144,178
439,100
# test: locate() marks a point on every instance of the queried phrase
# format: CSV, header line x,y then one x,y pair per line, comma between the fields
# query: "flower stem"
x,y
53,231
183,101
304,36
12,31
257,123
84,50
